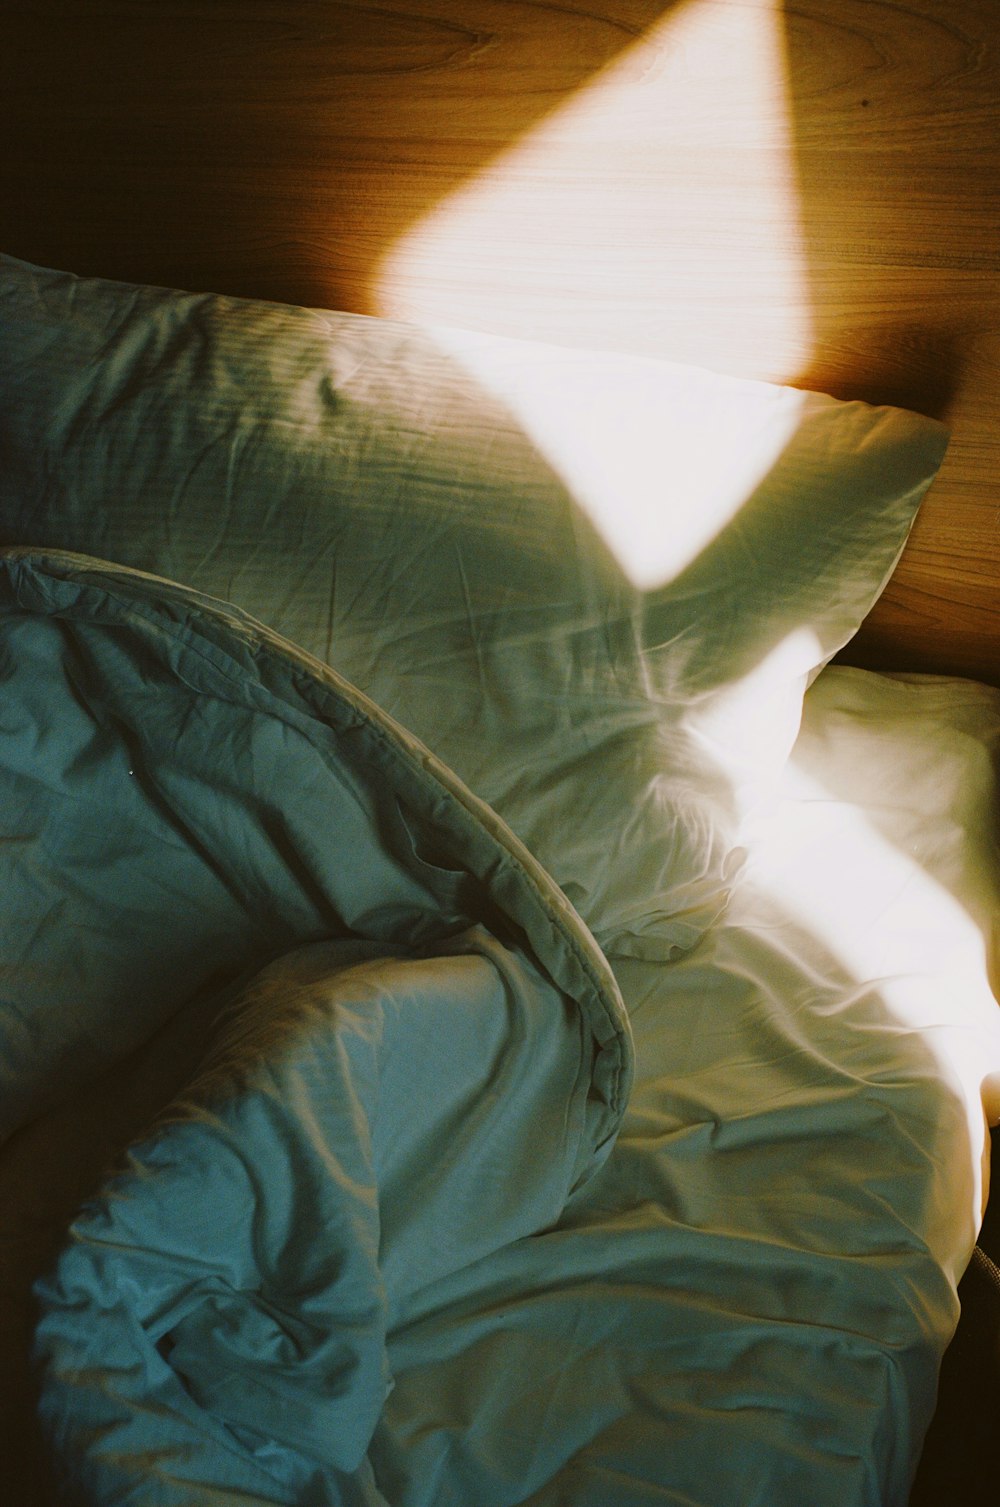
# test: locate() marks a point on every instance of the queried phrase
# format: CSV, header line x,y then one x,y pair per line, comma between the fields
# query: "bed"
x,y
499,755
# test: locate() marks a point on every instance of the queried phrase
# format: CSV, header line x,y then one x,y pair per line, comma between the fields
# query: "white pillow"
x,y
595,585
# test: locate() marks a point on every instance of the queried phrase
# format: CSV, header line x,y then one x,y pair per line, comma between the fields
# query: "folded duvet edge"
x,y
274,672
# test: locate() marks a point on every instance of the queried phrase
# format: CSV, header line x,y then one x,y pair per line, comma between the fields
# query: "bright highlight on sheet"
x,y
923,950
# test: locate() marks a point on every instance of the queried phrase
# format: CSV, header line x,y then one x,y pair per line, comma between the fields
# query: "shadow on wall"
x,y
272,149
294,150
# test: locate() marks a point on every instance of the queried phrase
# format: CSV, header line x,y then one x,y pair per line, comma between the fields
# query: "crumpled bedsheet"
x,y
380,1248
365,1128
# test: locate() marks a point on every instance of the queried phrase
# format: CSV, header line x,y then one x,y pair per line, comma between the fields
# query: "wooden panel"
x,y
806,191
898,146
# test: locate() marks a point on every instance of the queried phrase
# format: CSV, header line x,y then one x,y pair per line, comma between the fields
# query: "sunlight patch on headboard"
x,y
686,144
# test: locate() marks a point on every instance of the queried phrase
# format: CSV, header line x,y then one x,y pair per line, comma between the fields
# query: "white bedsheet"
x,y
750,1303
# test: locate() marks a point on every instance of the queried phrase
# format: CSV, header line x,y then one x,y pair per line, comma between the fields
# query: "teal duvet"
x,y
430,1058
406,1232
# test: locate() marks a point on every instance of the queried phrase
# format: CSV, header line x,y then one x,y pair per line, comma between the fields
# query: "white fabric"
x,y
750,1303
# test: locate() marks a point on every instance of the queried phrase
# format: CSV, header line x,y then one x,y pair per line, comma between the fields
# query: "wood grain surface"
x,y
806,191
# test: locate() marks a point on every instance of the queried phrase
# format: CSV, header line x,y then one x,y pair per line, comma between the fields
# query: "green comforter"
x,y
417,1053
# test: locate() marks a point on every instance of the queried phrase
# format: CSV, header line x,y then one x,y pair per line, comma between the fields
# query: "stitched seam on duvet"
x,y
263,647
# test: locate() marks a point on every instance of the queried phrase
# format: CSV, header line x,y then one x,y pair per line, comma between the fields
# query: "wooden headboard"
x,y
807,191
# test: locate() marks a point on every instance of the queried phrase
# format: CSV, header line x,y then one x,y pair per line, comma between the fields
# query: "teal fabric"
x,y
367,1126
742,1306
380,1251
186,796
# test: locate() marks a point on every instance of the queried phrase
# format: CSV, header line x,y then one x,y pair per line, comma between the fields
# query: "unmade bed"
x,y
498,756
649,1180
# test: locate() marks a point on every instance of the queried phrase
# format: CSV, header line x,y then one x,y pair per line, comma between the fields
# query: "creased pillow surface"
x,y
595,585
